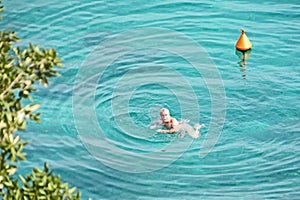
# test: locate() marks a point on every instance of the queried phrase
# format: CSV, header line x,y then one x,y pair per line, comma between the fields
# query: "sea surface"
x,y
125,60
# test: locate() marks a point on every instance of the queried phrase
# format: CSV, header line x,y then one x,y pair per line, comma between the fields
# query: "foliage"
x,y
19,70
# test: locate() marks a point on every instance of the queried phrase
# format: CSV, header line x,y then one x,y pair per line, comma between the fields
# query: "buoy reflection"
x,y
244,56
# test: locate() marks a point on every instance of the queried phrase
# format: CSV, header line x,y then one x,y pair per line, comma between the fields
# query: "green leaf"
x,y
22,179
12,169
41,191
34,107
21,156
8,117
46,167
8,184
72,190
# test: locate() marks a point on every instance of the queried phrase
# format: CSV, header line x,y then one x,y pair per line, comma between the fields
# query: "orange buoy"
x,y
243,44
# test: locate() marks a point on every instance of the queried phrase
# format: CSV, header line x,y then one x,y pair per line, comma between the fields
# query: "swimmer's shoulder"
x,y
174,121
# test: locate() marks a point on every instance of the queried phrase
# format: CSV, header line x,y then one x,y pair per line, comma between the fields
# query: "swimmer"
x,y
170,123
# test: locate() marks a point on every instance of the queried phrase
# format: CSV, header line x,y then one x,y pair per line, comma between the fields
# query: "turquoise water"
x,y
257,153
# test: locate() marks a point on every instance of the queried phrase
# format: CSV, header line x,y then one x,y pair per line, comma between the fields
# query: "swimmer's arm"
x,y
172,130
154,125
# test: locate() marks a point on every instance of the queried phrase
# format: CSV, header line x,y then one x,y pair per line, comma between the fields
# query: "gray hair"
x,y
164,110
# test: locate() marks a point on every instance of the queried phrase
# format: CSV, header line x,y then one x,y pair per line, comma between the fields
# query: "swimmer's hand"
x,y
162,131
153,127
170,131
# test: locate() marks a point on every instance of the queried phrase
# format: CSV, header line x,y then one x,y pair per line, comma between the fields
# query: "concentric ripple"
x,y
143,74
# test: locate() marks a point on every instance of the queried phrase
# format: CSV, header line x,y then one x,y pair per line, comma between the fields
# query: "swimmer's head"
x,y
165,115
